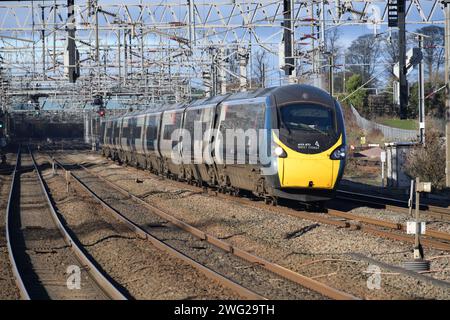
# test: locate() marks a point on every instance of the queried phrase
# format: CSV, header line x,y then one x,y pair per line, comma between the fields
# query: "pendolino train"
x,y
303,138
4,135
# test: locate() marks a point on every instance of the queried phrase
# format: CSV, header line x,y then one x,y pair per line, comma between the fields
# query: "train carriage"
x,y
286,141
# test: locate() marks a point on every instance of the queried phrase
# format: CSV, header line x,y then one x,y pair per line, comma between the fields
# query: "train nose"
x,y
307,173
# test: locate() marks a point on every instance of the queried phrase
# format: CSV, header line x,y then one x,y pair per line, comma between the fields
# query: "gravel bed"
x,y
8,288
41,254
398,217
141,270
313,249
248,275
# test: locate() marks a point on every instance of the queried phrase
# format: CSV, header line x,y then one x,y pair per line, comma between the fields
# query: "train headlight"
x,y
279,152
339,153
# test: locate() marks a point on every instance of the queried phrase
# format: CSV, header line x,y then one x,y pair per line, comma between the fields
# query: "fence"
x,y
390,134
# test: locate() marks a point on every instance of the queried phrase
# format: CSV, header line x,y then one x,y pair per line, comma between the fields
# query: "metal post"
x,y
191,23
33,44
330,74
411,197
71,40
447,91
54,35
221,73
288,39
97,41
118,56
242,69
142,57
125,58
402,58
43,43
421,84
418,251
323,49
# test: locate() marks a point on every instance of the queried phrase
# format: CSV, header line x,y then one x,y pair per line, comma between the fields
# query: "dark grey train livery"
x,y
304,138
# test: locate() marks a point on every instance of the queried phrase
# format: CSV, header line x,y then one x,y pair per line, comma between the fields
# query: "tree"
x,y
433,52
333,48
333,40
390,46
357,98
362,56
434,103
260,68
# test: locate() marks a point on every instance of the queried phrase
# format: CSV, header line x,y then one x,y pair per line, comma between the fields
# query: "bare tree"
x,y
390,54
260,67
433,52
333,40
362,56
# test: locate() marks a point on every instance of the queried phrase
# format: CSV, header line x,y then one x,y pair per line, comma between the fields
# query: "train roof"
x,y
282,95
301,93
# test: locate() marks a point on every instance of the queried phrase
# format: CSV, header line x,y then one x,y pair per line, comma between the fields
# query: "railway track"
x,y
396,205
389,230
88,179
47,263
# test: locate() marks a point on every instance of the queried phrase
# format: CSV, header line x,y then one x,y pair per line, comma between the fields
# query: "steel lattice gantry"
x,y
159,50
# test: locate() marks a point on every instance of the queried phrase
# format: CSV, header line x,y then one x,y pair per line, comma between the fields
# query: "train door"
x,y
169,142
150,144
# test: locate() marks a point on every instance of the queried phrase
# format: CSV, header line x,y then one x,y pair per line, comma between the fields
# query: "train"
x,y
4,135
281,142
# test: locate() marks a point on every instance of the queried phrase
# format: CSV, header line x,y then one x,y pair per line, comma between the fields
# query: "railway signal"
x,y
419,263
101,112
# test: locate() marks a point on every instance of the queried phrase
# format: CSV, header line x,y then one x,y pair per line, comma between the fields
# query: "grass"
x,y
408,124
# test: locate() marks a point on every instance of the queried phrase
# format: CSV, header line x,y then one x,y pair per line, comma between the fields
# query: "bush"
x,y
434,104
359,98
428,163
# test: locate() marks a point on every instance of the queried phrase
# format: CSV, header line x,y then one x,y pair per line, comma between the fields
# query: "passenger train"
x,y
4,135
299,152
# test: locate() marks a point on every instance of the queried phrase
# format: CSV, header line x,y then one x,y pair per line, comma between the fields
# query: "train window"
x,y
116,129
308,128
127,132
109,132
102,132
171,122
192,116
196,122
312,118
152,131
245,116
241,117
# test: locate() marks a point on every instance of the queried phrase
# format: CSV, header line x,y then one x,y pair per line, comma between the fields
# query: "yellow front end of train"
x,y
309,171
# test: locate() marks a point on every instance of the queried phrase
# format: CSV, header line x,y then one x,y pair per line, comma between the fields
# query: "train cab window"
x,y
307,127
308,118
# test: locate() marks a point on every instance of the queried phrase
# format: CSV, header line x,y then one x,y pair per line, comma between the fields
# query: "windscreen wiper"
x,y
310,128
